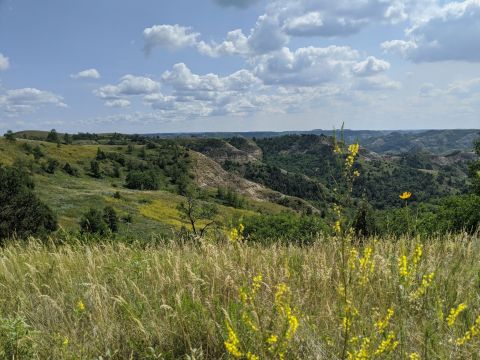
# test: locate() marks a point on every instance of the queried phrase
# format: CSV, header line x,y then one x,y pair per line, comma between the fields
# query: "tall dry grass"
x,y
121,302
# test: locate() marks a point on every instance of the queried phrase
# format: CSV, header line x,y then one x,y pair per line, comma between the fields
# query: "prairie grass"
x,y
171,301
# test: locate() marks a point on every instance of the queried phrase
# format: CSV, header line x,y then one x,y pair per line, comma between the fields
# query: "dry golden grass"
x,y
120,302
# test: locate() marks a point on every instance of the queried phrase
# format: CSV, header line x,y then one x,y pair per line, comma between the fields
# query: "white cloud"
x,y
451,32
128,85
375,83
4,62
171,37
118,103
370,66
28,100
86,74
336,18
308,66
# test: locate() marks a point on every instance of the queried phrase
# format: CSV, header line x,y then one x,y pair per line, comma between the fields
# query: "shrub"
x,y
142,180
22,213
92,222
111,219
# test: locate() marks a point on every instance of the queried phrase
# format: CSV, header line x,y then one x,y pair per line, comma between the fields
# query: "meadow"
x,y
383,298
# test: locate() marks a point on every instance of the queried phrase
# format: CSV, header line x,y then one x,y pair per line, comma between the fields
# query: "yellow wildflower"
x,y
405,195
403,266
382,324
337,227
388,345
65,341
80,306
414,356
471,333
422,289
272,339
232,343
454,312
251,356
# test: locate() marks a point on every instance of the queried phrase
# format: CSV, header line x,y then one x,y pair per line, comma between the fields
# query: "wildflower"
x,y
353,151
405,195
232,343
65,341
387,345
366,265
251,356
363,352
454,312
337,227
425,284
356,173
417,255
292,324
471,333
403,266
80,306
414,356
382,324
272,339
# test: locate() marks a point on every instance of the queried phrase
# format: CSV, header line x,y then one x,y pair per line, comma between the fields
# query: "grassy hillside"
x,y
152,212
174,301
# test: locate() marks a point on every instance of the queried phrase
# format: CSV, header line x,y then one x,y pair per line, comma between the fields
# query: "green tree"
x,y
67,139
92,222
475,170
198,214
10,136
95,169
53,136
100,155
21,213
111,218
37,153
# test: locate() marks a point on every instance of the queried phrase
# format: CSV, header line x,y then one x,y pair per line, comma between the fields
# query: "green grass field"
x,y
112,301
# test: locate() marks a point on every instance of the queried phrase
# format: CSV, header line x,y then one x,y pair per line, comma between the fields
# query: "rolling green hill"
x,y
145,178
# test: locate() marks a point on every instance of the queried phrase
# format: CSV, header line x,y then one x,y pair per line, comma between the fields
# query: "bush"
x,y
142,180
92,222
22,214
285,227
70,170
111,219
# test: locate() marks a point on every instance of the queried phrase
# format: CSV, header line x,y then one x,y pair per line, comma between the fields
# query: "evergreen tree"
x,y
95,169
92,222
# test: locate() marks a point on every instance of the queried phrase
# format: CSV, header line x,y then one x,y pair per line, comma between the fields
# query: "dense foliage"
x,y
21,213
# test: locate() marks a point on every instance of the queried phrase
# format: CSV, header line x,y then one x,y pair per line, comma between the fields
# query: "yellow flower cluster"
x,y
352,154
388,345
80,306
236,234
471,333
408,271
382,324
425,284
454,312
414,356
232,343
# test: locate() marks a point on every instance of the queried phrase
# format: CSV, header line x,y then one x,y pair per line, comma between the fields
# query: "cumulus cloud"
x,y
452,32
128,85
370,66
307,66
336,18
86,74
4,62
28,100
171,37
118,103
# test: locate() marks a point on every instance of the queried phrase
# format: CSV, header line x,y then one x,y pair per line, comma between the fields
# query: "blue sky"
x,y
238,65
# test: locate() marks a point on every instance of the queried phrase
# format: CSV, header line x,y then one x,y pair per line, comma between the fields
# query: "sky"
x,y
148,66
